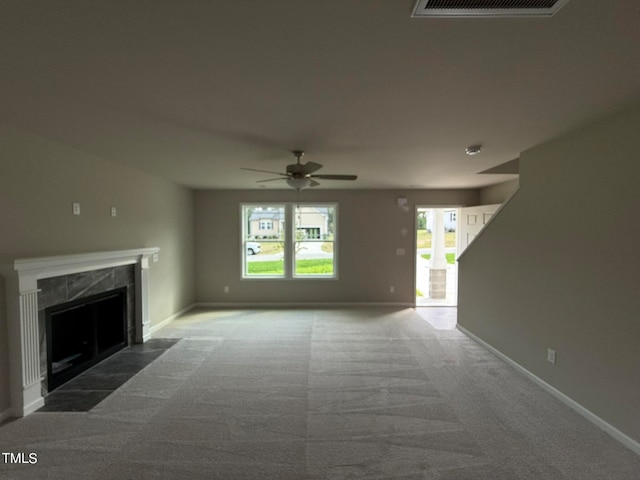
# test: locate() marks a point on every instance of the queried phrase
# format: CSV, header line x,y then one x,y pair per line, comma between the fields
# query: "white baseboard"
x,y
33,406
169,319
248,306
621,437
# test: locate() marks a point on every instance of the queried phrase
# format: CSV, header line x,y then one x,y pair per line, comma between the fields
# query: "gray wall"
x,y
498,193
40,179
369,231
558,267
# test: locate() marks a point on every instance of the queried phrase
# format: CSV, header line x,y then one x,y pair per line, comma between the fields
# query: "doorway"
x,y
436,257
442,235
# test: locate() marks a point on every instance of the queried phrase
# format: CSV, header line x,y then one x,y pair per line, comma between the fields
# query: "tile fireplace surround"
x,y
21,284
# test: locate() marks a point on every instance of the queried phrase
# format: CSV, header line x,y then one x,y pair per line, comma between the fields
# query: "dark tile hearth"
x,y
91,387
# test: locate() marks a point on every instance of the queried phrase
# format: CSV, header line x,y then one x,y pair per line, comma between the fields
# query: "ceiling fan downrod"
x,y
298,154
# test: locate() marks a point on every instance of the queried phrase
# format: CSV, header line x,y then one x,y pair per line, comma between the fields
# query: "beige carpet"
x,y
319,394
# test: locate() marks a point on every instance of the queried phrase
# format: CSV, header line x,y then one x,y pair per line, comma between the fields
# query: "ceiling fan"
x,y
301,175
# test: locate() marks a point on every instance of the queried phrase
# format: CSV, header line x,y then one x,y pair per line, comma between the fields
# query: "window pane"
x,y
264,236
314,241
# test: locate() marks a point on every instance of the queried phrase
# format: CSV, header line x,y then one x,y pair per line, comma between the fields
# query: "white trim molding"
x,y
21,283
621,437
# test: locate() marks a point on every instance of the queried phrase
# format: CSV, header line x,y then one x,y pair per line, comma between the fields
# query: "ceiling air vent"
x,y
487,8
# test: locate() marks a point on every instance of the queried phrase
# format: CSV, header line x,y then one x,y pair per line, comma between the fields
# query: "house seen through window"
x,y
289,241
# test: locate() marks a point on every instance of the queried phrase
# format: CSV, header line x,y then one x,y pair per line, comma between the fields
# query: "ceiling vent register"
x,y
487,8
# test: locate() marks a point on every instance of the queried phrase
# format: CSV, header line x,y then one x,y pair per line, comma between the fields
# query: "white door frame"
x,y
457,208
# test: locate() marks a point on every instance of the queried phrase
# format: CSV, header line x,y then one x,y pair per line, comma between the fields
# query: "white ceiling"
x,y
193,90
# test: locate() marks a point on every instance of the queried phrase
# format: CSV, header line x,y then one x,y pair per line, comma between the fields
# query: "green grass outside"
x,y
424,239
272,267
320,266
451,257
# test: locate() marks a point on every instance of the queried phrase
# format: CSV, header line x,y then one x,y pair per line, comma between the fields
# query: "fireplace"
x,y
83,332
35,284
76,309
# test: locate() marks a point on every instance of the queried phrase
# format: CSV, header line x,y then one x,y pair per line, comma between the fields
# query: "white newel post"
x,y
21,281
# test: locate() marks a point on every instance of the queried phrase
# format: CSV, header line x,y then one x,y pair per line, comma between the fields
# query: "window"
x,y
269,262
289,241
314,242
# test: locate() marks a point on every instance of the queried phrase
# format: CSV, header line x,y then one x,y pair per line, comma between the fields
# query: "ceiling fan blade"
x,y
263,171
303,168
310,167
335,177
270,179
313,183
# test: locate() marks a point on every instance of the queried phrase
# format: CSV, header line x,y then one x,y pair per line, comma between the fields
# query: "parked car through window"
x,y
253,248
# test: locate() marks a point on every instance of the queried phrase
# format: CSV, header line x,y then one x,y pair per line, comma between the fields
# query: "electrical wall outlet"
x,y
392,289
226,289
551,355
114,212
75,208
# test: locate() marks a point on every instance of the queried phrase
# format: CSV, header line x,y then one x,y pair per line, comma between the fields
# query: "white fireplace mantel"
x,y
21,282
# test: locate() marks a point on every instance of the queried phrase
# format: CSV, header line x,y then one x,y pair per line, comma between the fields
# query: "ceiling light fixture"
x,y
299,182
473,149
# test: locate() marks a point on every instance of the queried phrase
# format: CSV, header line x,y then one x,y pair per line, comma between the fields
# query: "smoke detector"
x,y
487,8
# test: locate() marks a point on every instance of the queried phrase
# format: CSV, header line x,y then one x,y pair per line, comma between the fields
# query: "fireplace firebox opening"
x,y
83,332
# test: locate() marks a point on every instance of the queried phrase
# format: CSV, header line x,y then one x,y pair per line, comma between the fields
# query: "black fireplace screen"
x,y
83,332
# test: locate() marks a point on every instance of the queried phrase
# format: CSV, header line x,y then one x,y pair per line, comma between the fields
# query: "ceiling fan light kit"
x,y
299,183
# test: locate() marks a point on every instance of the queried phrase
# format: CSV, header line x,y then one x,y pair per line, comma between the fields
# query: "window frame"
x,y
289,240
